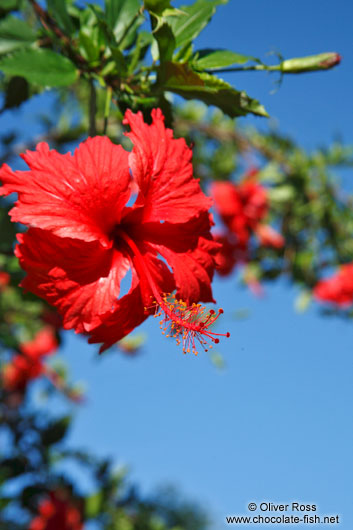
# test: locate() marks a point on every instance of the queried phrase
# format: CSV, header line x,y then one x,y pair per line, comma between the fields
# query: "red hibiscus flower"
x,y
19,372
57,513
4,280
43,343
28,365
229,254
242,208
338,289
83,238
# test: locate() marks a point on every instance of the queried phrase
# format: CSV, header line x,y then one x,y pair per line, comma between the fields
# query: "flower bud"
x,y
311,63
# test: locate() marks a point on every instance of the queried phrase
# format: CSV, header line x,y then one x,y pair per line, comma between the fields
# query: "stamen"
x,y
189,325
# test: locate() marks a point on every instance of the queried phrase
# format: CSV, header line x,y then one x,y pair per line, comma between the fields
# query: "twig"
x,y
92,109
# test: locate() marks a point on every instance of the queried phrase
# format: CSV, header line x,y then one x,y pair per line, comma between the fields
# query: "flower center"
x,y
189,325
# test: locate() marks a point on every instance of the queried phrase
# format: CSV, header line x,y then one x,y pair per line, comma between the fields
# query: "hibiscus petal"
x,y
79,196
129,314
189,250
81,279
163,171
133,308
193,271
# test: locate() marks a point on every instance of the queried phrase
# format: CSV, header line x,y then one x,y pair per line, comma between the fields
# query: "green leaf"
x,y
14,34
193,20
144,41
182,80
157,6
30,495
119,60
7,228
17,91
208,59
120,14
166,42
40,66
56,431
281,193
9,5
93,505
57,8
14,467
88,46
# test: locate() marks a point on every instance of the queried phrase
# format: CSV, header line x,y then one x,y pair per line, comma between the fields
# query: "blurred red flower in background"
x,y
229,254
28,365
43,343
57,513
4,280
242,208
83,238
338,289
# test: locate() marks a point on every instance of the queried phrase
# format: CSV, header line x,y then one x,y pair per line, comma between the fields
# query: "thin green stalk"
x,y
262,67
108,99
92,109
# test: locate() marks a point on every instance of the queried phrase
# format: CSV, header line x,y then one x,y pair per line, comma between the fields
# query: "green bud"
x,y
311,63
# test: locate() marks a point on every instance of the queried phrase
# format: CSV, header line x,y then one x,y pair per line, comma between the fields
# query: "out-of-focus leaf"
x,y
40,66
208,59
217,360
8,230
120,14
182,80
166,42
119,60
17,91
93,505
186,27
57,8
302,301
88,47
15,33
13,467
144,40
281,194
157,6
55,431
30,494
9,5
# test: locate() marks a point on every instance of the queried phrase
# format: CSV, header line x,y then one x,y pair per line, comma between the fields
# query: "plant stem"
x,y
108,100
256,67
92,109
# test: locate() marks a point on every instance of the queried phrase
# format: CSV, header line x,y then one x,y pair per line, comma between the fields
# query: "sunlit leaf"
x,y
40,66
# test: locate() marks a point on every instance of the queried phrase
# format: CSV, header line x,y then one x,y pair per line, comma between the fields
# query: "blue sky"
x,y
276,424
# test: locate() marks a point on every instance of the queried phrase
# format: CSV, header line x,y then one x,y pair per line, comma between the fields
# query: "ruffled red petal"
x,y
79,196
189,250
163,171
80,278
133,308
192,270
